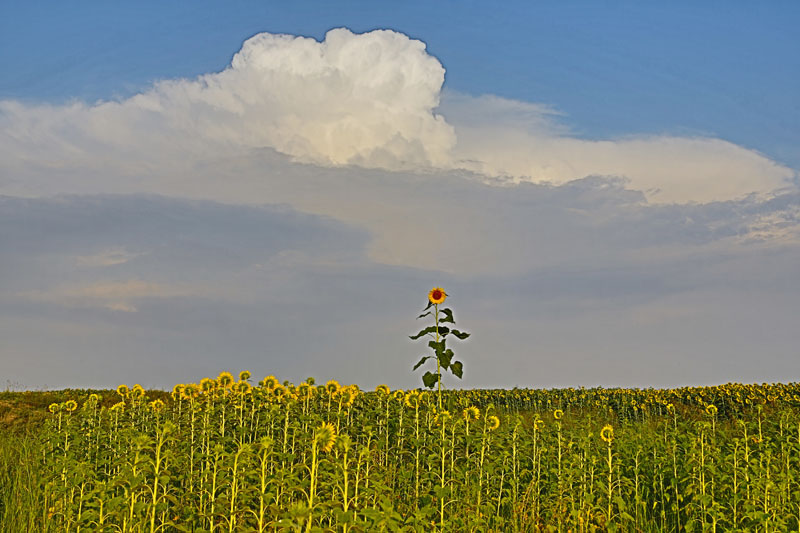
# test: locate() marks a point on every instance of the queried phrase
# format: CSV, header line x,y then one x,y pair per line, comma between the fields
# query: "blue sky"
x,y
608,190
724,69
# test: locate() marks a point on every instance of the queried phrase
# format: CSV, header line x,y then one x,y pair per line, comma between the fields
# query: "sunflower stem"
x,y
438,364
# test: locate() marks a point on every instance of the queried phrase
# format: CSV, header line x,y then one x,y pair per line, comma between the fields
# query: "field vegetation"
x,y
229,455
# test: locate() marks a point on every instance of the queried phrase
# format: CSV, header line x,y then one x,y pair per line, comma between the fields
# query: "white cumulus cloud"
x,y
372,100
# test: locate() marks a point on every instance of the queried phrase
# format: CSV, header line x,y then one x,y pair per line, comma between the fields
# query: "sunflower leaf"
x,y
445,358
429,379
438,347
425,358
448,316
460,334
430,303
429,329
457,369
423,315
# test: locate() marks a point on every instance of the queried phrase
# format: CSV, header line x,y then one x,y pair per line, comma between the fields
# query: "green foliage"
x,y
241,459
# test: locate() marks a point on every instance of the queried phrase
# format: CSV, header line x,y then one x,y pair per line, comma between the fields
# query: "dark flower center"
x,y
437,295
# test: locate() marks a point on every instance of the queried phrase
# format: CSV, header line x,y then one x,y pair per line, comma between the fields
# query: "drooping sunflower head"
x,y
225,379
269,382
54,408
94,398
471,413
442,417
208,384
711,409
119,406
157,405
325,437
70,405
670,408
244,375
332,386
557,414
279,391
123,391
412,399
349,395
305,390
190,391
177,391
607,433
137,392
437,295
492,422
538,423
383,390
398,395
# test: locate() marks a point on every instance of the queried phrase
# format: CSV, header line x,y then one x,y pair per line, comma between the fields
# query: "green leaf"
x,y
448,316
460,334
423,315
457,369
438,347
430,329
429,379
430,304
425,358
445,358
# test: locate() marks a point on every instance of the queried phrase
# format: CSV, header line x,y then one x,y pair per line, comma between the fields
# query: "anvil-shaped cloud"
x,y
371,100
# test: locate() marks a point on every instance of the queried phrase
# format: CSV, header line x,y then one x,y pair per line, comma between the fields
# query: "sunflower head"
x,y
325,437
157,405
54,408
607,433
269,382
492,422
243,387
538,423
442,417
244,375
123,391
332,386
190,391
411,399
225,379
119,406
711,409
279,391
382,390
207,384
137,392
398,395
437,295
305,390
70,405
557,414
349,395
471,413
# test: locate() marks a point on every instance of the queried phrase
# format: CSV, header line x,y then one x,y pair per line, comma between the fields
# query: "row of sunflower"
x,y
227,455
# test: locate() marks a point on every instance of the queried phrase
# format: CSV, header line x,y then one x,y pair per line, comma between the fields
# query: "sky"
x,y
609,192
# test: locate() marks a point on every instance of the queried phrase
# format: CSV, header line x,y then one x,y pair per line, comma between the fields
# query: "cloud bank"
x,y
371,100
287,214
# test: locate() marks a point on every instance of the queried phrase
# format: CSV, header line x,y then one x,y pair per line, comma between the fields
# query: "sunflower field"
x,y
225,455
